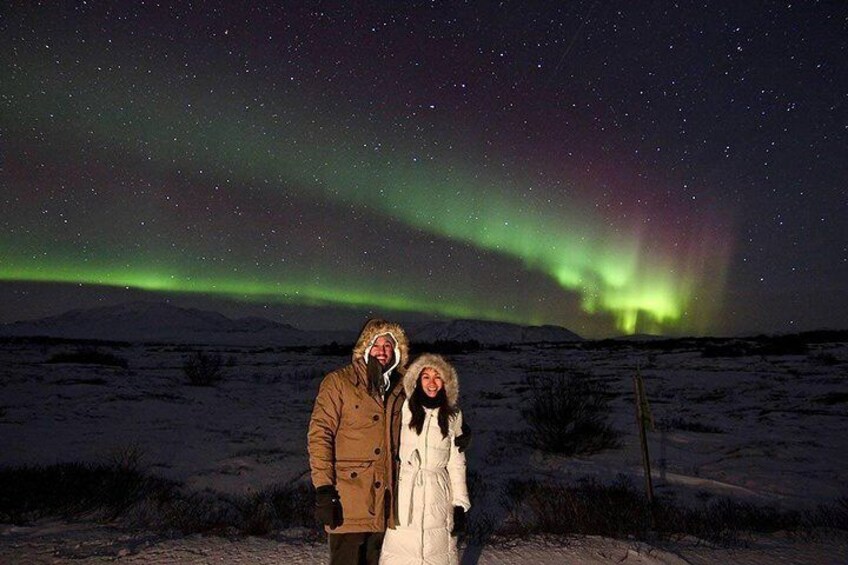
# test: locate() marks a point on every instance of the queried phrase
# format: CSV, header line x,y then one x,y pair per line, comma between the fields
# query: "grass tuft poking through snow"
x,y
121,494
69,490
619,510
203,369
89,356
569,413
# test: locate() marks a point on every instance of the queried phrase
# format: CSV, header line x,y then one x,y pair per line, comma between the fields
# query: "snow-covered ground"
x,y
778,437
88,544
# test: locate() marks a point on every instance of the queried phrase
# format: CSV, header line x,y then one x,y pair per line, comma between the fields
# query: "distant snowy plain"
x,y
777,438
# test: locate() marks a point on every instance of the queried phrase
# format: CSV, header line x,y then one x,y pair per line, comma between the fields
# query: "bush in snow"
x,y
832,516
332,350
68,490
825,358
119,492
203,369
89,356
677,423
569,414
587,508
620,510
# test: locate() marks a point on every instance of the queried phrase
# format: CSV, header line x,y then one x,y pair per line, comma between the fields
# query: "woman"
x,y
432,496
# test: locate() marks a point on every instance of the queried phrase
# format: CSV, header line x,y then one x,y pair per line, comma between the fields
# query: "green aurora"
x,y
616,267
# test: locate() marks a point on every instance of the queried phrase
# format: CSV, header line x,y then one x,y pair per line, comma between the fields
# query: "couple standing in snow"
x,y
386,449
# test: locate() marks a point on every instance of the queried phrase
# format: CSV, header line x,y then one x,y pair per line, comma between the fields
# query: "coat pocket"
x,y
355,483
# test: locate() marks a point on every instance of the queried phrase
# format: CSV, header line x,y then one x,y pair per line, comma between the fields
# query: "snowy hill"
x,y
489,333
162,322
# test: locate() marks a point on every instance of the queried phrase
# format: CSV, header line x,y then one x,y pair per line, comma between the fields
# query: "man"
x,y
353,434
353,440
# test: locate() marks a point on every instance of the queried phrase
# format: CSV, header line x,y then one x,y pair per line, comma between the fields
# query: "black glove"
x,y
458,520
328,506
462,442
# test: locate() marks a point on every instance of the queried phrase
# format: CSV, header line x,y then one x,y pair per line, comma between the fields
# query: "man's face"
x,y
383,350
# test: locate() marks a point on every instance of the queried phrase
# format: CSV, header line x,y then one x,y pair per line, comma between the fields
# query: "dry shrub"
x,y
203,369
569,414
89,356
619,510
588,508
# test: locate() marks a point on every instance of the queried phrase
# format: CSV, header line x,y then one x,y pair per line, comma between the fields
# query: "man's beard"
x,y
376,382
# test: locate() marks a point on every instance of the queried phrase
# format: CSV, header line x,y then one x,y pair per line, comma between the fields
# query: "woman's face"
x,y
431,382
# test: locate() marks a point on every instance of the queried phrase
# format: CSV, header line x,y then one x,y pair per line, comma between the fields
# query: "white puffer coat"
x,y
431,479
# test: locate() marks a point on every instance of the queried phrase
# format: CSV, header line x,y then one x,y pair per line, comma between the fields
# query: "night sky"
x,y
611,167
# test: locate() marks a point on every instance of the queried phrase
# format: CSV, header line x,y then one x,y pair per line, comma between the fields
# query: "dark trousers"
x,y
361,548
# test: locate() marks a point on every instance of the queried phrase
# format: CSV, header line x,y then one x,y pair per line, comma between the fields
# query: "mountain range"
x,y
167,323
489,333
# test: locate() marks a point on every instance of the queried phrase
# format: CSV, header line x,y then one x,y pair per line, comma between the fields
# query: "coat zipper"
x,y
424,485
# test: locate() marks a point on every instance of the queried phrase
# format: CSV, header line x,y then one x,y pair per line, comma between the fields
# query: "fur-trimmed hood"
x,y
445,369
373,329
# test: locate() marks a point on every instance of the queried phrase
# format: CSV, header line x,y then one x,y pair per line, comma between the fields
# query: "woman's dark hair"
x,y
419,400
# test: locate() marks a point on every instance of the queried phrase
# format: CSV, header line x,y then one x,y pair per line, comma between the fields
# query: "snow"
x,y
87,544
778,440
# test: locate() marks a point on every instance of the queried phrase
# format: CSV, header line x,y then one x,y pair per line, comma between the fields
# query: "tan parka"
x,y
353,436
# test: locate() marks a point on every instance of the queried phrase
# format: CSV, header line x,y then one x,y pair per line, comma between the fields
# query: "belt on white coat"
x,y
418,475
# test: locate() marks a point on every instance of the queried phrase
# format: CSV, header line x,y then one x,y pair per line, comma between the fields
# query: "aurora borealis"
x,y
608,167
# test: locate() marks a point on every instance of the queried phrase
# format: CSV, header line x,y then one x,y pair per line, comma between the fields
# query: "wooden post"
x,y
643,417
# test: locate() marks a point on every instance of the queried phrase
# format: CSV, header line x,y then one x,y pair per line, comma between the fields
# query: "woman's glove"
x,y
328,506
462,442
458,520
